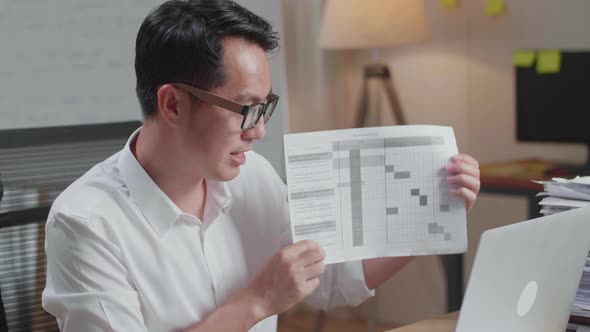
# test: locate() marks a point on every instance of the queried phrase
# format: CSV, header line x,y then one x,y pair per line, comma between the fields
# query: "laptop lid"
x,y
525,275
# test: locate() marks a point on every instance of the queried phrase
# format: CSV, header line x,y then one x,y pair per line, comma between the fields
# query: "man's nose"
x,y
257,132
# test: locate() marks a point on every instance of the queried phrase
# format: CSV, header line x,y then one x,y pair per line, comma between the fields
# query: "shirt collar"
x,y
156,207
219,191
154,204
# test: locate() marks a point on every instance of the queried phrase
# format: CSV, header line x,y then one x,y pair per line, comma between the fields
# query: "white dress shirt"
x,y
121,256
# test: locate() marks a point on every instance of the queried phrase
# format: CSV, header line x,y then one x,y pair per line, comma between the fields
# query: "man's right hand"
x,y
288,277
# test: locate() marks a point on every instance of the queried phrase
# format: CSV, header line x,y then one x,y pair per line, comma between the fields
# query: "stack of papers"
x,y
582,303
563,194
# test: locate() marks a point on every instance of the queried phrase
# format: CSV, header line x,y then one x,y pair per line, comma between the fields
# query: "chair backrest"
x,y
36,165
22,277
3,326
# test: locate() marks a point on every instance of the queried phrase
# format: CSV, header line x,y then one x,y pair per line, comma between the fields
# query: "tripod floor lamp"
x,y
374,25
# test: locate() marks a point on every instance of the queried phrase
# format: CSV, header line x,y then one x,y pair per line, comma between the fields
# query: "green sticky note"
x,y
549,62
523,58
449,4
495,7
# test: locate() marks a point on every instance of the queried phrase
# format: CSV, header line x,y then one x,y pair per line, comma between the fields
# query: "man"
x,y
186,228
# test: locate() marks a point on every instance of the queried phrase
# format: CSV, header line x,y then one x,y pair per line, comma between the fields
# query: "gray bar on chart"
x,y
438,140
448,236
366,161
401,175
434,228
318,227
389,168
400,142
391,211
445,208
415,192
312,194
360,144
310,157
423,200
356,197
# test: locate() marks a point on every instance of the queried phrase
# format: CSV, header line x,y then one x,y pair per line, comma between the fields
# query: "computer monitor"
x,y
555,107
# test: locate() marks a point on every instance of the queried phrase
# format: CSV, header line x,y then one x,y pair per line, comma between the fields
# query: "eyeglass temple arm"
x,y
211,98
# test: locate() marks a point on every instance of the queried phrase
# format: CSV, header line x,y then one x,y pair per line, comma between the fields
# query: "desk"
x,y
445,323
514,178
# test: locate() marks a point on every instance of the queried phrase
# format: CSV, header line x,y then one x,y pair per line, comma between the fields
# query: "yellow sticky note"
x,y
523,58
449,4
495,7
549,62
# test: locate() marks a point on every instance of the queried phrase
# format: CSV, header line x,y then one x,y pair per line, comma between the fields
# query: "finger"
x,y
467,158
464,180
467,195
314,270
463,167
294,251
471,160
311,285
312,256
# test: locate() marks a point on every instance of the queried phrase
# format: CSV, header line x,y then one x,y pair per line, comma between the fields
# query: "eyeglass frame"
x,y
231,105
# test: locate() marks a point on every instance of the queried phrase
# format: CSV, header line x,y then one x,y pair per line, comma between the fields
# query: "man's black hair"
x,y
181,41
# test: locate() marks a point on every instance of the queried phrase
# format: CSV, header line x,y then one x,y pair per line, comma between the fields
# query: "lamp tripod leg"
x,y
363,105
394,101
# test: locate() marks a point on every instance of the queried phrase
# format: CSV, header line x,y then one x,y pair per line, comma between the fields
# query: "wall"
x,y
271,146
463,77
67,62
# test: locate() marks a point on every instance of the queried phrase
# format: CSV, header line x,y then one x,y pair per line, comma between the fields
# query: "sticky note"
x,y
449,4
548,62
495,7
523,58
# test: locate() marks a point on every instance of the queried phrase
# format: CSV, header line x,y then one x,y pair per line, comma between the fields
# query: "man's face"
x,y
212,137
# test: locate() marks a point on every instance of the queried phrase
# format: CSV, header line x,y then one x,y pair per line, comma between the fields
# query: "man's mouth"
x,y
239,152
239,157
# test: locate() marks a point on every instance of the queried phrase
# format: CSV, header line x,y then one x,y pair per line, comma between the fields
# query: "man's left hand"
x,y
464,178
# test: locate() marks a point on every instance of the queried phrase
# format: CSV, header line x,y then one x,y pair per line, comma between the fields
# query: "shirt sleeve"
x,y
343,284
88,286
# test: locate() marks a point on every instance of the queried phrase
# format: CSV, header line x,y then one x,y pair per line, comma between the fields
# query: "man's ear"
x,y
171,103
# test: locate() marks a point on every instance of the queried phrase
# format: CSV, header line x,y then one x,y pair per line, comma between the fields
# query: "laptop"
x,y
525,276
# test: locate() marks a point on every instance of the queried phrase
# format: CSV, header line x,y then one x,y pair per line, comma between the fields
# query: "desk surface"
x,y
515,175
445,323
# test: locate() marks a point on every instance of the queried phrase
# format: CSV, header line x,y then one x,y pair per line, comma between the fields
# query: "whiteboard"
x,y
71,62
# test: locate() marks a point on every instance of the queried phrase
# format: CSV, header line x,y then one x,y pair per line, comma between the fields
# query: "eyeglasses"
x,y
251,113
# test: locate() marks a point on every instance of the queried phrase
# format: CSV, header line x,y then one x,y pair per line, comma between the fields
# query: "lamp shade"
x,y
373,23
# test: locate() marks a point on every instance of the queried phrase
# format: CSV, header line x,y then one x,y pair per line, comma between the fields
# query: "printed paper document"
x,y
372,192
